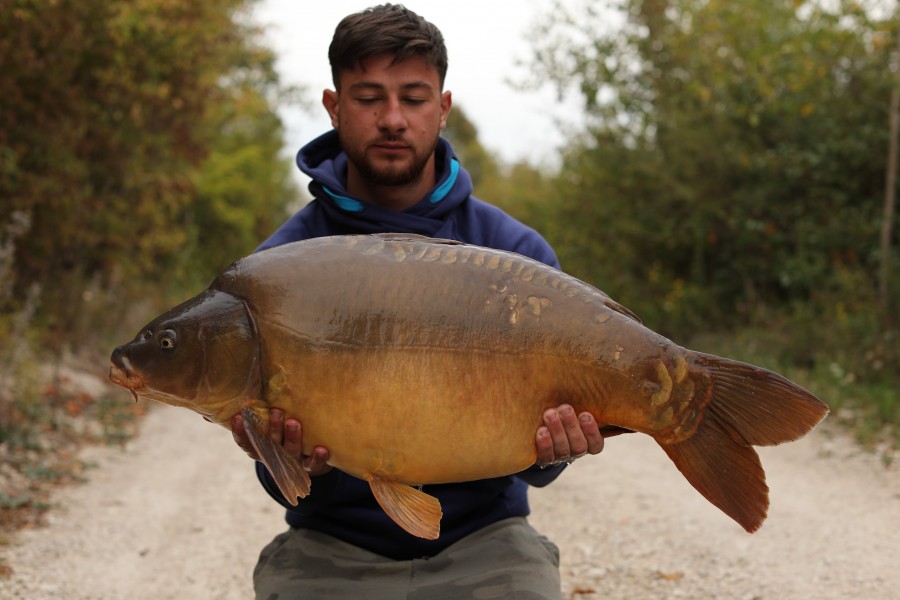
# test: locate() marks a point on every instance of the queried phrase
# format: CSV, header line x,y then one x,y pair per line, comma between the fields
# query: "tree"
x,y
463,136
732,155
120,119
890,192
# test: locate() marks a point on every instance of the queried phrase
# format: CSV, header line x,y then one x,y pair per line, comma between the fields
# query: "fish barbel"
x,y
382,345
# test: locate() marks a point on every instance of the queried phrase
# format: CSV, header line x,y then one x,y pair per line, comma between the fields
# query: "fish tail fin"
x,y
748,406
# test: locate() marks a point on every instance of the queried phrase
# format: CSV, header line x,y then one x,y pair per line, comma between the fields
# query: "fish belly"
x,y
424,416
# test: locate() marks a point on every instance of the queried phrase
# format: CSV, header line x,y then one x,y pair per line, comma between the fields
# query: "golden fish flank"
x,y
449,339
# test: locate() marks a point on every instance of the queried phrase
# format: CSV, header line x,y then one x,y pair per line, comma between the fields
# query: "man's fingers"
x,y
560,442
293,437
575,439
240,436
544,444
317,463
591,432
566,436
288,433
276,425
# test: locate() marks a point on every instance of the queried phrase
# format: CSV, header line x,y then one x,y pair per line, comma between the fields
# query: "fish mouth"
x,y
120,373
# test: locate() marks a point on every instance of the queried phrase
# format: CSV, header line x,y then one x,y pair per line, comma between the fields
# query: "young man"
x,y
384,168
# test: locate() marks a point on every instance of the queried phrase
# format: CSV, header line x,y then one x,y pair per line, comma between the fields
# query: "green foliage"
x,y
135,134
850,374
243,187
19,376
735,155
140,153
463,136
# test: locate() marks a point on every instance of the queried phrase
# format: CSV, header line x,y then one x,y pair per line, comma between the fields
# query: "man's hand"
x,y
287,432
565,437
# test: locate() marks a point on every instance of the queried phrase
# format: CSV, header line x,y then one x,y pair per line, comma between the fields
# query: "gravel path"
x,y
178,514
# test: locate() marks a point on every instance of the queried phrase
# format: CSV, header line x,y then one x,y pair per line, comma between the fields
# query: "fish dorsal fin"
x,y
288,473
415,237
412,509
613,305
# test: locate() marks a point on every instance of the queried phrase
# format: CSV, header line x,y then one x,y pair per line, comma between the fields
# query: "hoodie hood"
x,y
326,163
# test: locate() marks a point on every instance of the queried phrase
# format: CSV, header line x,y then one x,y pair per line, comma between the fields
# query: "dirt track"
x,y
178,514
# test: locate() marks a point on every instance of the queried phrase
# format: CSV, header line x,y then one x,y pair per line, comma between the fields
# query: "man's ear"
x,y
330,102
446,103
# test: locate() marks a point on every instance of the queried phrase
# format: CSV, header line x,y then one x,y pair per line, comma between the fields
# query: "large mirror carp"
x,y
401,354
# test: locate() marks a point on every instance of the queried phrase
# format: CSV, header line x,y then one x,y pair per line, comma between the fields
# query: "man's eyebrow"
x,y
413,85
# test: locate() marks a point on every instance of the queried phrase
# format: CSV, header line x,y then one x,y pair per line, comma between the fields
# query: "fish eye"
x,y
167,339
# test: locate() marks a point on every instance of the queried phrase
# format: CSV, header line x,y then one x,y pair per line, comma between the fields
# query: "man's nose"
x,y
392,117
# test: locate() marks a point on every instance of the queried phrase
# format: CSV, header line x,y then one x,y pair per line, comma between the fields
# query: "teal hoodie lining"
x,y
440,192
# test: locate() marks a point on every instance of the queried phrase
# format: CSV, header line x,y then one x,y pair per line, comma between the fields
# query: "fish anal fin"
x,y
290,476
726,473
415,511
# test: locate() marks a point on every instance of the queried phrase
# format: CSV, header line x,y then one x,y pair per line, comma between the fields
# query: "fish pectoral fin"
x,y
412,509
290,476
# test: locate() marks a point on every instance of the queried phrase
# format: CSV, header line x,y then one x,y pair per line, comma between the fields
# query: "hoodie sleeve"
x,y
534,246
292,230
486,225
538,477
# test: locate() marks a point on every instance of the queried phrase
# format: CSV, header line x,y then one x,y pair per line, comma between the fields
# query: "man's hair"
x,y
388,28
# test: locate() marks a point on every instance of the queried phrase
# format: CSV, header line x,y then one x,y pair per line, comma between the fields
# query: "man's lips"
x,y
390,147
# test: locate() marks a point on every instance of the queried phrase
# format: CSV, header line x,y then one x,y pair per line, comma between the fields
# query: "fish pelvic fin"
x,y
290,476
412,509
749,406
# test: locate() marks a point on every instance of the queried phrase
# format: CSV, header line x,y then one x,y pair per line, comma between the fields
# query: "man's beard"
x,y
391,175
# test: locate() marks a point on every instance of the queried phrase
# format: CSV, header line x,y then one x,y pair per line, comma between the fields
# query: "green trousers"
x,y
506,560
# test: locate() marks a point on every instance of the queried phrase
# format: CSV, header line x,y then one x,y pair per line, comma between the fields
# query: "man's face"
x,y
388,118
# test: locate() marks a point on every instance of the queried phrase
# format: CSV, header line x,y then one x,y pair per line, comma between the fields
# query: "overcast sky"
x,y
485,39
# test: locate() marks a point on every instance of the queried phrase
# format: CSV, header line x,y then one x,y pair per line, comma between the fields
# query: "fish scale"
x,y
382,344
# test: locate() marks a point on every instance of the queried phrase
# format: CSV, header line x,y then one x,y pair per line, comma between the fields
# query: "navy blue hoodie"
x,y
342,505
